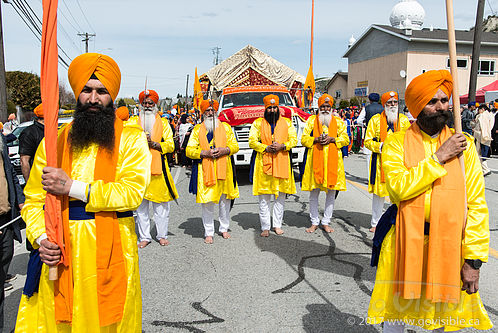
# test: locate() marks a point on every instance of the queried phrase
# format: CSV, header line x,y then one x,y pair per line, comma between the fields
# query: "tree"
x,y
355,101
344,103
121,103
23,89
11,107
66,97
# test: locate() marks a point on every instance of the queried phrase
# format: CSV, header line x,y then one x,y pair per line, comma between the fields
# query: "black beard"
x,y
93,127
272,117
433,123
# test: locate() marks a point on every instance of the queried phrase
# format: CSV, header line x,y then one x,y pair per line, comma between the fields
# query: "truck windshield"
x,y
253,98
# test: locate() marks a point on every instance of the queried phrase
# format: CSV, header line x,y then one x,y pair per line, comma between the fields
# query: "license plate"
x,y
21,180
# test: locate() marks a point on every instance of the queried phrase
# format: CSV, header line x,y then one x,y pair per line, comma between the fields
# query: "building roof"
x,y
428,35
343,75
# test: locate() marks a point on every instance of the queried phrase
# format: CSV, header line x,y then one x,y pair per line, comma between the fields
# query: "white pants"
x,y
368,155
208,216
329,207
264,210
377,208
161,219
399,327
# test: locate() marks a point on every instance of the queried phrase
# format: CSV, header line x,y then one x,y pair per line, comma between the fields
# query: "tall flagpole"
x,y
312,28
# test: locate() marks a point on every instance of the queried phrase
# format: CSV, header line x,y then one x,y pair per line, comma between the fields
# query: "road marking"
x,y
493,252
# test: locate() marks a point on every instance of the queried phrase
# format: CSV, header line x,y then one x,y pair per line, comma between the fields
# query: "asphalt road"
x,y
296,282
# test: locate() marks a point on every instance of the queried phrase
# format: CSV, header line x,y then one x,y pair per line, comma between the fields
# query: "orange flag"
x,y
198,96
49,85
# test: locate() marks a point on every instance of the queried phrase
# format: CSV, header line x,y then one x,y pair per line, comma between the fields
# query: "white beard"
x,y
148,117
391,114
324,118
211,123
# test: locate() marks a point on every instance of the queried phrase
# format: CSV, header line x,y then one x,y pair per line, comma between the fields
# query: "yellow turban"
x,y
104,68
325,98
422,88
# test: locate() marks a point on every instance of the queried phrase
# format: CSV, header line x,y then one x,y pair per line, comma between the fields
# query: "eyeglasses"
x,y
392,103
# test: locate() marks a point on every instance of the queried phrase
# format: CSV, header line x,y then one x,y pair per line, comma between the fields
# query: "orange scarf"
x,y
111,270
220,141
383,136
446,224
276,165
156,136
318,154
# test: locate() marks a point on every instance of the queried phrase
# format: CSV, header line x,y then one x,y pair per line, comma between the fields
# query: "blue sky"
x,y
166,39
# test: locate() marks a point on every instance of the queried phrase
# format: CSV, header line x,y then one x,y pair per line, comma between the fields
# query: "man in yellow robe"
x,y
379,128
428,268
162,188
324,135
213,180
272,137
94,298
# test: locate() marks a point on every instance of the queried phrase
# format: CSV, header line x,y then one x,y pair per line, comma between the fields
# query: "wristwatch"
x,y
474,263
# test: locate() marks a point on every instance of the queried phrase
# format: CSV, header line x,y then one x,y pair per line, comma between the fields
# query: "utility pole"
x,y
216,52
3,83
86,37
186,95
476,50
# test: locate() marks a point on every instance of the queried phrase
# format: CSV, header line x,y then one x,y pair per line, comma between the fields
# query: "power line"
x,y
81,9
71,14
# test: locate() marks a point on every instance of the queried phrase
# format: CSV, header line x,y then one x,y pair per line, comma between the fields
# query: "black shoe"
x,y
10,277
7,286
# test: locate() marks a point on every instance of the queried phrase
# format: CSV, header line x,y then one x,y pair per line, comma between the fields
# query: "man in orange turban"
x,y
29,140
271,137
323,136
211,145
104,169
162,189
379,128
433,242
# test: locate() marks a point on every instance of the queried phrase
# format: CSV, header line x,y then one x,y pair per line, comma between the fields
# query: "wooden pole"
x,y
453,65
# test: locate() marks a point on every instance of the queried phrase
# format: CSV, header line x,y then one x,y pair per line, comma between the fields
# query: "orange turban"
x,y
123,113
325,98
207,103
1,125
39,111
387,96
496,105
12,116
270,100
148,93
104,68
422,88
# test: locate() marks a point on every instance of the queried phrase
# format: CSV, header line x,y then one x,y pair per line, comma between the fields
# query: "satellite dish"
x,y
402,73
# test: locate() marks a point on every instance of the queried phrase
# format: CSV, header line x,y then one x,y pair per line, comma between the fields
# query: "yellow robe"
x,y
263,183
36,314
404,184
158,190
373,131
213,193
342,139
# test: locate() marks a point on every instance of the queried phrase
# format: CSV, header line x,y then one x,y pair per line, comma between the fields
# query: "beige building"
x,y
337,87
388,57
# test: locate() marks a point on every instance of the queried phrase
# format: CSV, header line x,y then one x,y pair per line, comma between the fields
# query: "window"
x,y
486,67
461,63
338,94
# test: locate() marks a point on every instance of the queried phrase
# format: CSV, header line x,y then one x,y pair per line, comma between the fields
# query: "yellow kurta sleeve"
x,y
402,183
475,245
373,132
255,136
306,138
32,212
168,145
292,139
232,143
342,138
193,149
132,176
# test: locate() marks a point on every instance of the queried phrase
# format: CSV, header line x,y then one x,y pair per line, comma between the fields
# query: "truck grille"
x,y
242,134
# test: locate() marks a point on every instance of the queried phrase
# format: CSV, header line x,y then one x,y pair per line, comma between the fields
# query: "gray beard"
x,y
148,117
391,115
211,123
324,118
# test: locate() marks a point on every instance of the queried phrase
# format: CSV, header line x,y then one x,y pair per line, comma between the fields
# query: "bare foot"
x,y
312,228
208,240
265,233
326,228
278,231
225,235
372,229
163,242
143,244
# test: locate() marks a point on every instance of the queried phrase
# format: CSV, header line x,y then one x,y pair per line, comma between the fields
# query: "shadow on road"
x,y
327,318
193,227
